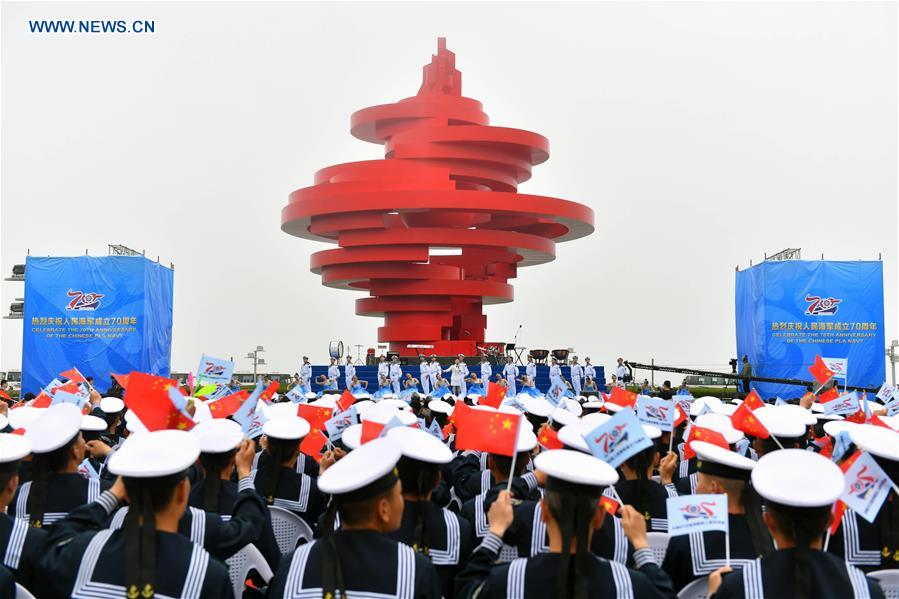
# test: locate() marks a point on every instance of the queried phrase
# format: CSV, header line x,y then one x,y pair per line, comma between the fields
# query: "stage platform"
x,y
370,374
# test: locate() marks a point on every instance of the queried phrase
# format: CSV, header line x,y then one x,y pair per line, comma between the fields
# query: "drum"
x,y
335,350
560,354
539,355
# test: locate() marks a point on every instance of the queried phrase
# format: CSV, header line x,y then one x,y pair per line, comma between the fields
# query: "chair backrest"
x,y
889,582
241,563
288,528
658,542
23,593
698,589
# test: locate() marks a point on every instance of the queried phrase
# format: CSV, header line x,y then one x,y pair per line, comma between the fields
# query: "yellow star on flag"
x,y
507,425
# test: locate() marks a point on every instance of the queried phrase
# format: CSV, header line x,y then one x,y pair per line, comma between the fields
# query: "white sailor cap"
x,y
720,424
13,448
218,435
202,413
310,395
527,440
700,402
802,414
54,428
449,396
325,401
726,409
572,435
93,424
890,421
593,404
155,454
572,406
835,427
653,432
781,423
22,417
877,440
364,472
398,404
591,421
278,410
111,405
484,408
286,428
133,423
574,468
508,408
562,416
537,406
4,422
351,437
419,445
717,461
384,414
363,405
440,407
797,478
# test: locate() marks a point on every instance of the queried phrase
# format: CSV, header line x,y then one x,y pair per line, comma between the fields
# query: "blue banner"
x,y
102,315
786,312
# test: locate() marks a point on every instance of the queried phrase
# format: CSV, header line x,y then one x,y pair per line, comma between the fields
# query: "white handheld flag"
x,y
696,513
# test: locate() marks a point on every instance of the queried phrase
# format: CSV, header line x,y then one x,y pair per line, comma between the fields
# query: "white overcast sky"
x,y
702,135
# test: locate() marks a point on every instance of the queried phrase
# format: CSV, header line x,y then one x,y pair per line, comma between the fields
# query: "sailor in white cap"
x,y
111,409
92,428
720,471
721,424
800,488
349,371
571,512
510,373
359,559
19,543
486,370
577,374
395,374
56,487
436,370
439,534
872,545
424,375
146,557
463,370
214,491
786,425
306,373
276,477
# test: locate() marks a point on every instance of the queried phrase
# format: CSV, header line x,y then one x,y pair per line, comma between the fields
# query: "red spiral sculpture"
x,y
448,180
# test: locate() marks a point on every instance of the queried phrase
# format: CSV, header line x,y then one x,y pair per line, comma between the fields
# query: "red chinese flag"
x,y
447,430
41,401
622,397
839,508
698,433
18,404
744,420
18,431
313,443
122,380
609,505
317,416
753,401
148,397
270,391
70,387
179,421
495,395
5,395
224,407
493,432
820,371
859,417
346,400
370,430
549,439
679,415
829,395
826,446
73,375
876,421
460,410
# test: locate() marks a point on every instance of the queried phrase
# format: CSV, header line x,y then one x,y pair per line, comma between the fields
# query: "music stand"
x,y
516,351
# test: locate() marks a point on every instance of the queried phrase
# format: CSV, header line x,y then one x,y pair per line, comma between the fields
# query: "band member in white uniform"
x,y
425,375
510,373
577,374
486,371
383,369
435,370
334,371
589,370
621,370
396,373
349,371
463,367
306,372
530,369
555,374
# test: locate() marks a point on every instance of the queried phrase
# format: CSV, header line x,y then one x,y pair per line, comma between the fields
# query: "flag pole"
x,y
776,441
826,540
726,541
617,496
514,456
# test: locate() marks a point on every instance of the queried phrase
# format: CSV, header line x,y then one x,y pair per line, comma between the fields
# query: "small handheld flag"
x,y
491,432
73,375
699,433
829,395
609,505
867,486
224,407
753,401
313,443
843,405
495,395
622,397
316,416
346,400
618,438
549,438
743,419
697,513
214,369
820,371
336,425
657,412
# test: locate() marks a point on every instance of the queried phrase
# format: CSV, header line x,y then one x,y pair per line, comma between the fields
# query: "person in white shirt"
x,y
621,370
306,372
424,375
464,367
577,373
457,379
349,371
383,368
530,370
589,370
396,373
555,374
436,369
334,371
486,371
510,372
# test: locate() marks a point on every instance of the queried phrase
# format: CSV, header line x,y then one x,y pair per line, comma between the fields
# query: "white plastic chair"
x,y
241,563
288,528
698,589
658,542
889,582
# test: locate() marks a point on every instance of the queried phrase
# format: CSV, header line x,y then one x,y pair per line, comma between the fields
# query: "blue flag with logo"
x,y
64,397
297,394
249,418
618,438
843,405
215,370
657,412
435,430
867,487
841,444
555,393
339,423
696,513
